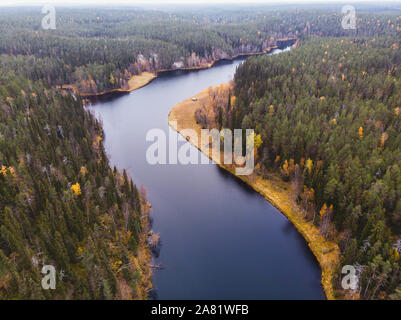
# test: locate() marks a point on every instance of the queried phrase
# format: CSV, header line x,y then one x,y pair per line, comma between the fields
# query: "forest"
x,y
61,204
327,116
100,49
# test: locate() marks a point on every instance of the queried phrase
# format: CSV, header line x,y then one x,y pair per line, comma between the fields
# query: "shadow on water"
x,y
180,72
108,97
228,176
287,227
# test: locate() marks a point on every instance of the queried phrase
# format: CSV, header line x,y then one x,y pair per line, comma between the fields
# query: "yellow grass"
x,y
140,80
274,190
134,83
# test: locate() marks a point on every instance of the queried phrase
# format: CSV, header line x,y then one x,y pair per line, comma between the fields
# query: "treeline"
x,y
101,49
60,202
329,117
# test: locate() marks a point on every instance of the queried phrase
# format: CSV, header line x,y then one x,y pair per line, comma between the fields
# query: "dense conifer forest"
x,y
100,49
327,115
60,202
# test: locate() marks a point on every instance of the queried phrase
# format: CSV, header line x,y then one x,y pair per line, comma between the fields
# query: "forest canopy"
x,y
60,202
328,116
91,47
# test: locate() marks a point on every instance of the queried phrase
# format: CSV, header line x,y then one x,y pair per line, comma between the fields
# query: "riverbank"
x,y
212,63
143,79
134,83
143,260
273,189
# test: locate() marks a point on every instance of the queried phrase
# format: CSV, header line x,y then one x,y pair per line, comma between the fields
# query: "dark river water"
x,y
220,239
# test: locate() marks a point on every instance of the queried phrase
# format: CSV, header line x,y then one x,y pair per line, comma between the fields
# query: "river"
x,y
220,239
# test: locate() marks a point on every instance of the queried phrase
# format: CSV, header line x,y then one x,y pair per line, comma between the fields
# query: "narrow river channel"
x,y
220,239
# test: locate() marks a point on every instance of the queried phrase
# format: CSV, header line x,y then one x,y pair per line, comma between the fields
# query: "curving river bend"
x,y
220,239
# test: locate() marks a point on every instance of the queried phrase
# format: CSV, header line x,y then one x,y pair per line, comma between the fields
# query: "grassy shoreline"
x,y
136,82
274,190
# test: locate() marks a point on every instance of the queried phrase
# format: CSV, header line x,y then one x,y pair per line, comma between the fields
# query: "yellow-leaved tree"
x,y
76,188
258,141
3,170
112,80
360,132
309,165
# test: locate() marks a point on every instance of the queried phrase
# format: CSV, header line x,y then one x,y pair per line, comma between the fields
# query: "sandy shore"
x,y
274,190
136,82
